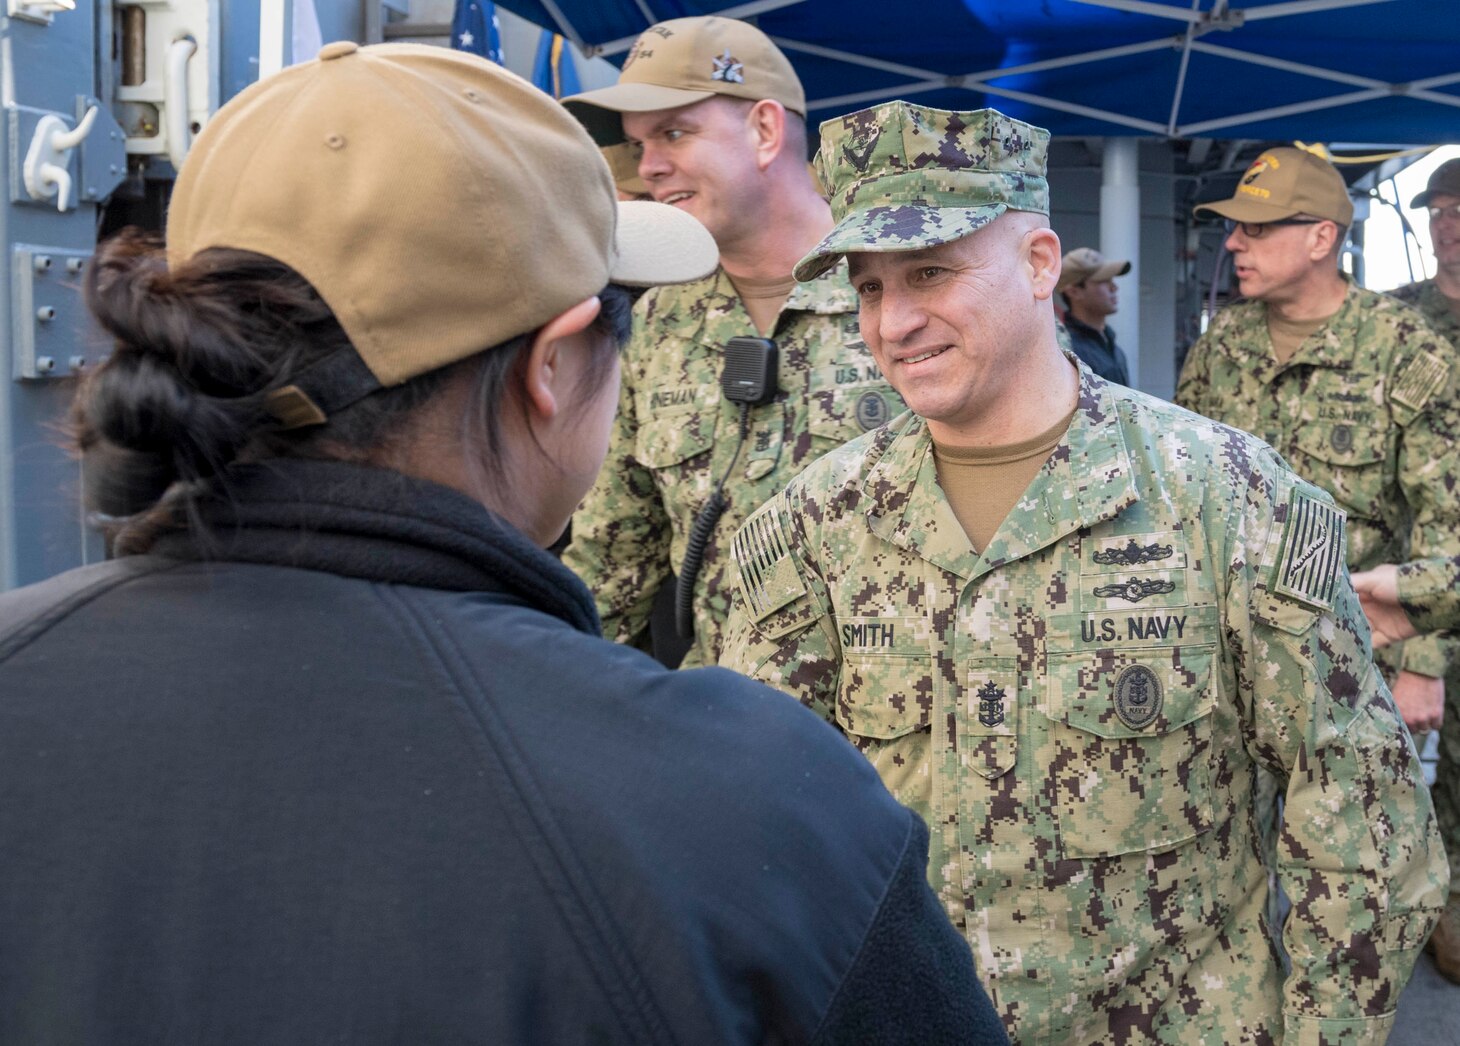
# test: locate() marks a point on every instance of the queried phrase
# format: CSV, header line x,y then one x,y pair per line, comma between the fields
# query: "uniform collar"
x,y
1087,479
1333,345
829,294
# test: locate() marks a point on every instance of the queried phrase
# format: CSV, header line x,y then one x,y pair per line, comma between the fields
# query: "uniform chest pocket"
x,y
1347,460
884,706
884,695
849,396
1132,740
675,431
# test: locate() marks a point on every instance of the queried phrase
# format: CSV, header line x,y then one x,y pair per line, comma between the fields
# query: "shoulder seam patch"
x,y
1419,379
1312,551
769,577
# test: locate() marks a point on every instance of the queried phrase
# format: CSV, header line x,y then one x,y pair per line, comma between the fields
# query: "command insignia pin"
x,y
1137,696
871,410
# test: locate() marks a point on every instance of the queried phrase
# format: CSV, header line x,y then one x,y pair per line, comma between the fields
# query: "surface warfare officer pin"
x,y
990,704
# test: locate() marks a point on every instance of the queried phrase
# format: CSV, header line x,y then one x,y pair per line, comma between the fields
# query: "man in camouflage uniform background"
x,y
1439,298
1078,703
1428,589
1360,395
718,114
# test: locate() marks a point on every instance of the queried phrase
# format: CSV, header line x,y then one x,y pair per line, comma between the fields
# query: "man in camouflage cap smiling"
x,y
1068,622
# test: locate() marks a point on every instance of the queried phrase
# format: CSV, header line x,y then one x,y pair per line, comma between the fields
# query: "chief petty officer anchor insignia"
x,y
990,704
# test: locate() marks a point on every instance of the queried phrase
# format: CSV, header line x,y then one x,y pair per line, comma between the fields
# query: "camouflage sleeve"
x,y
621,531
781,630
1359,855
1425,398
1429,592
1195,380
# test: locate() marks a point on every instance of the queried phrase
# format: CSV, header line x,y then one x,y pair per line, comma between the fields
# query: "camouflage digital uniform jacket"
x,y
1368,408
675,435
1429,591
1427,297
1079,714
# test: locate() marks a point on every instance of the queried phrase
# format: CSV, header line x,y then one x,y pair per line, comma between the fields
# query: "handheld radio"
x,y
748,380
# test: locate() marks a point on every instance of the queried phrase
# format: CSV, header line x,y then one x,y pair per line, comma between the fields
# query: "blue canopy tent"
x,y
1373,71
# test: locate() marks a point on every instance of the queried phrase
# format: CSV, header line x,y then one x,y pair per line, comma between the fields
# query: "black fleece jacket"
x,y
358,768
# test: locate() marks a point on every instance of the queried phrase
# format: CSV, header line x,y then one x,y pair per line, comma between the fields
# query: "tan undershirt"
x,y
763,300
1287,335
984,483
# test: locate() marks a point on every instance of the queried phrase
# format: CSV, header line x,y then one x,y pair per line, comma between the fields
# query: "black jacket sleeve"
x,y
913,981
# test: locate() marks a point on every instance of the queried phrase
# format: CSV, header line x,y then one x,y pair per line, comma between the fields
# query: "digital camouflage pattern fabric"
x,y
1427,297
1368,408
1429,591
904,176
1421,582
675,435
1080,714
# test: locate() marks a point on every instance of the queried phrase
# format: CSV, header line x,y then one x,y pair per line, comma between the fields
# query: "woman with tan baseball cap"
x,y
334,751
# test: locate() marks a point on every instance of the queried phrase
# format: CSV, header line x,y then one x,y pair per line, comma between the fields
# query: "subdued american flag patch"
x,y
1312,551
1419,379
768,575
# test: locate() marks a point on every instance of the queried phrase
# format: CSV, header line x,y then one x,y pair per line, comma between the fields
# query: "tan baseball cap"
x,y
686,60
1444,179
439,204
1086,263
1285,182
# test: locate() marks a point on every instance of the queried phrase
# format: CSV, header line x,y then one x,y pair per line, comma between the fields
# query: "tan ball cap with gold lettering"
x,y
1282,183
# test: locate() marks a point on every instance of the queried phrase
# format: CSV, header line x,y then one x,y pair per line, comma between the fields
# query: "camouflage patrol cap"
x,y
1282,183
903,176
1445,179
684,61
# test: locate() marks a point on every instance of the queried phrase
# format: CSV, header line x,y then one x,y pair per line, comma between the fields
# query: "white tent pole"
x,y
1300,68
1069,107
1143,7
1352,98
1125,50
897,91
1186,39
1233,17
855,59
884,94
1120,237
1300,7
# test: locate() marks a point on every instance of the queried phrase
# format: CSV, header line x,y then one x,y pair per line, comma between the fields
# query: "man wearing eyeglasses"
x,y
1355,389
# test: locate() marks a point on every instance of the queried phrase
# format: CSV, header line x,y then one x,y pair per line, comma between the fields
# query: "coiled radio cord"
x,y
699,537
